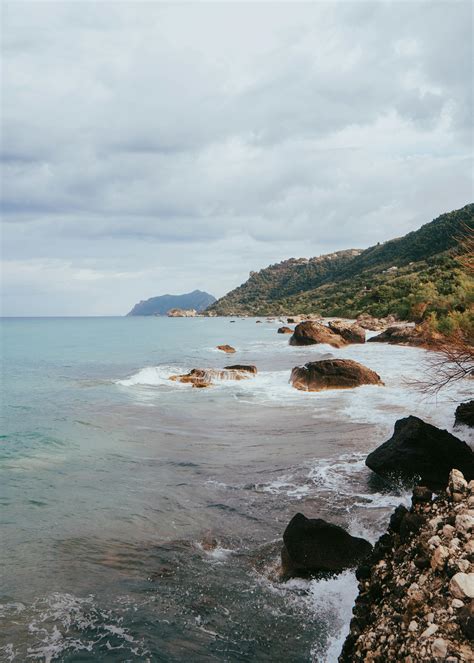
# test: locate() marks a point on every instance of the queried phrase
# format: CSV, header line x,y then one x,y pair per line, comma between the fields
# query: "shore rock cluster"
x,y
204,377
416,589
336,334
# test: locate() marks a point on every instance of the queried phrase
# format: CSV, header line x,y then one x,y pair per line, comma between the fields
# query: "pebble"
x,y
432,628
439,648
413,625
462,585
457,603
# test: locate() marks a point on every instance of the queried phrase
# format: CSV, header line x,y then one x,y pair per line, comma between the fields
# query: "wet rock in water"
x,y
350,332
284,330
416,612
418,450
332,374
247,368
226,348
205,377
465,414
311,333
312,546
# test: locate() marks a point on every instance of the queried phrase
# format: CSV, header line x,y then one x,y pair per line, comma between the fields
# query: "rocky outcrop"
x,y
311,333
416,590
181,313
350,332
332,374
205,377
284,330
419,336
312,546
418,451
465,414
197,300
226,348
366,321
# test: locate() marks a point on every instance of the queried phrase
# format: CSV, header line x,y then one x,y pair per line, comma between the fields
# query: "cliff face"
x,y
197,300
416,592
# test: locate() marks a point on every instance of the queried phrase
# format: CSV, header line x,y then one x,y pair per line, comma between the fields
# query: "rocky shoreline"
x,y
416,588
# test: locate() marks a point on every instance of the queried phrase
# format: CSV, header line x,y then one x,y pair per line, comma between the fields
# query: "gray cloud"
x,y
153,147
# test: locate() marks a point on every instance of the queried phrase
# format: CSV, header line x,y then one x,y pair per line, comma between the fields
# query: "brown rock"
x,y
284,330
311,333
352,333
248,368
418,336
204,377
332,374
226,348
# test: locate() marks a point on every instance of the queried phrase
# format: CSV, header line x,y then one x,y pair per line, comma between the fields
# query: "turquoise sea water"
x,y
141,519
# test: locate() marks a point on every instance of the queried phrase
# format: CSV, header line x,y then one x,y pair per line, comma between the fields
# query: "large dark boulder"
x,y
312,546
350,332
420,451
311,333
332,374
465,414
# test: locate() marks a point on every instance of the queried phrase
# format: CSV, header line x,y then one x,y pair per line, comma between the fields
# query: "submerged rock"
x,y
312,546
226,348
311,333
332,374
418,450
284,330
204,377
350,332
465,414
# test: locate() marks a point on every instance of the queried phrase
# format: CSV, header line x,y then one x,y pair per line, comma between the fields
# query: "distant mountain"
x,y
411,276
197,300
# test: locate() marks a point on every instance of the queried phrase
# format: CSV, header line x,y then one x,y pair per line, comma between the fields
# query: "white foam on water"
x,y
328,601
153,376
215,554
62,623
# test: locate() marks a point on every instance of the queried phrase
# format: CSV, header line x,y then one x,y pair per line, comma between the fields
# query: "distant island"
x,y
197,300
417,277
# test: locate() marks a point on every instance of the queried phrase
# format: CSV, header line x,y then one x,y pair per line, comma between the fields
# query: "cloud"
x,y
182,145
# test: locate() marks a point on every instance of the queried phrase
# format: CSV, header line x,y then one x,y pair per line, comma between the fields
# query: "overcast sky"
x,y
150,148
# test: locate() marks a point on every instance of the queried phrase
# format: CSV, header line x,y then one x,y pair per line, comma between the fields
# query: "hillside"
x,y
197,300
412,276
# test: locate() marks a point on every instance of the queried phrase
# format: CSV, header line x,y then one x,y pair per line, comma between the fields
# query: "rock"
x,y
311,333
466,620
226,348
204,377
418,336
465,522
246,368
439,558
428,632
456,483
419,450
439,648
461,586
352,333
312,545
465,414
421,494
332,374
366,321
284,330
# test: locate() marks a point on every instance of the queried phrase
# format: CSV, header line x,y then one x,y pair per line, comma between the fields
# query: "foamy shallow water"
x,y
129,500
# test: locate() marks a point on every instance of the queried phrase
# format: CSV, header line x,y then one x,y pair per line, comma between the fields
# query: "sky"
x,y
152,148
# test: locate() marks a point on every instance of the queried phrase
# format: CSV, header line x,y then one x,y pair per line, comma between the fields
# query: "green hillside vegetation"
x,y
416,277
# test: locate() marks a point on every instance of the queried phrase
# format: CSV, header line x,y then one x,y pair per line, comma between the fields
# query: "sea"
x,y
141,519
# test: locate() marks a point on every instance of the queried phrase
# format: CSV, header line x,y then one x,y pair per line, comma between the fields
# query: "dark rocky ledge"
x,y
416,590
